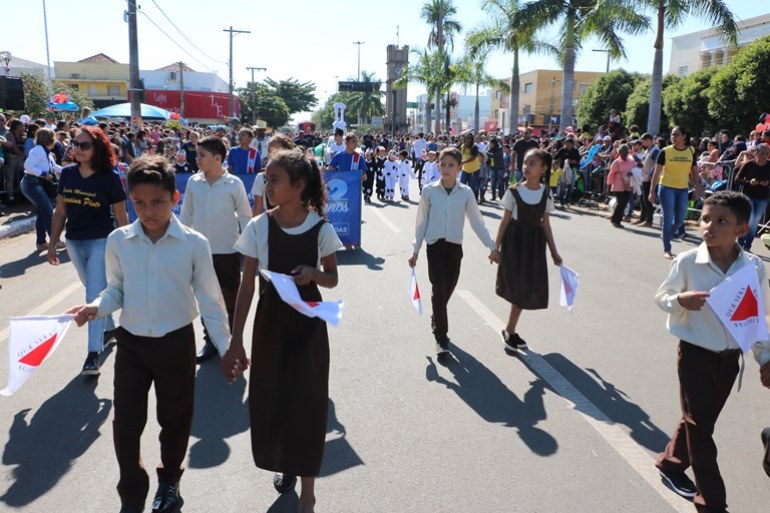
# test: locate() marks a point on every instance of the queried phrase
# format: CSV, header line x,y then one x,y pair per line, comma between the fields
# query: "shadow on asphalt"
x,y
339,455
483,391
221,411
359,256
44,447
19,267
491,215
612,401
285,503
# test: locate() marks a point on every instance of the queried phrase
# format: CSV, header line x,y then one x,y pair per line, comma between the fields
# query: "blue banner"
x,y
344,205
181,186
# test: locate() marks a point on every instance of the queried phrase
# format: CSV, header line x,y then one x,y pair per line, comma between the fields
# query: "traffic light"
x,y
363,87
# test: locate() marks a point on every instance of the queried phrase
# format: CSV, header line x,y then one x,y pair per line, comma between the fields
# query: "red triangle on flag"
x,y
312,304
35,357
416,296
747,308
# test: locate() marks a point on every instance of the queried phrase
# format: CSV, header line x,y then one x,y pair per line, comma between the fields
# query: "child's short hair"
x,y
452,152
739,204
152,169
339,131
246,131
44,136
214,145
403,153
351,137
281,141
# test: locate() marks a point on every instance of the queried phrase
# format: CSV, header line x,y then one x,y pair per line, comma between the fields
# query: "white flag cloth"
x,y
32,340
414,293
327,311
569,285
737,302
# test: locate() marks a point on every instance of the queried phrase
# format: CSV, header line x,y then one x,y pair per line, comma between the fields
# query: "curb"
x,y
17,227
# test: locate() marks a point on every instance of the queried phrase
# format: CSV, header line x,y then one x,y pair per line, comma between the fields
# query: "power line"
x,y
177,44
184,36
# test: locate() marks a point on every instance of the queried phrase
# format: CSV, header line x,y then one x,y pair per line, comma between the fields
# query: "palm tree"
x,y
422,71
670,14
578,20
506,31
474,74
366,103
439,15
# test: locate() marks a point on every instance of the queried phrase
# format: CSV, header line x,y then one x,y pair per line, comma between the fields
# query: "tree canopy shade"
x,y
685,102
259,101
298,96
610,91
740,92
670,14
507,31
638,103
35,92
578,20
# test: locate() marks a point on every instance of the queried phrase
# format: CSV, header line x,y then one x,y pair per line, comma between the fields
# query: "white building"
x,y
698,50
168,78
461,115
18,65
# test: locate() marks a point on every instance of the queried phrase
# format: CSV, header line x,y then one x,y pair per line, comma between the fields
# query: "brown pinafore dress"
x,y
289,380
522,277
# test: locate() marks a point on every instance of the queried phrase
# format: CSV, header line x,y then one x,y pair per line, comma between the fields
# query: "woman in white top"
x,y
41,167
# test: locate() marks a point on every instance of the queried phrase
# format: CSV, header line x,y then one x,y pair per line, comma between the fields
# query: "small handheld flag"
x,y
328,311
569,285
414,293
32,341
737,303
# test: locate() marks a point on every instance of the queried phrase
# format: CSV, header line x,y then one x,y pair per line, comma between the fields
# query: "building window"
x,y
683,71
92,91
528,88
113,90
76,87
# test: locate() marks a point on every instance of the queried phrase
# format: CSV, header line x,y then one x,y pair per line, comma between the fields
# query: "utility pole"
x,y
133,65
550,108
181,88
359,43
608,58
254,110
47,53
233,33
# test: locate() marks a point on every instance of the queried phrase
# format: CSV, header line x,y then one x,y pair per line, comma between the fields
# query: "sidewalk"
x,y
18,219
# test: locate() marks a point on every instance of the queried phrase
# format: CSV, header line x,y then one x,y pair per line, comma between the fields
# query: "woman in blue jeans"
x,y
91,201
754,175
41,167
675,169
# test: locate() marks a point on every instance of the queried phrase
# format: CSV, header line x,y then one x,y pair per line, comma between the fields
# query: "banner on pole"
x,y
344,205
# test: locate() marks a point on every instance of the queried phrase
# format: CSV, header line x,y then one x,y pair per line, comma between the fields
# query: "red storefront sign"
x,y
197,104
490,126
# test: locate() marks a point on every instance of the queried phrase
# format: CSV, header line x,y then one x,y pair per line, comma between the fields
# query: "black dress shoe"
x,y
109,338
167,498
91,365
206,353
284,482
131,509
766,443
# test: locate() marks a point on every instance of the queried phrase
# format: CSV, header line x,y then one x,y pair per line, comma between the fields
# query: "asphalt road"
x,y
571,426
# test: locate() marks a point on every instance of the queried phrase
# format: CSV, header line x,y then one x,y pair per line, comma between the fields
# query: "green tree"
x,y
366,103
507,31
35,92
298,96
439,14
324,117
686,101
75,95
609,91
670,14
638,104
476,75
577,21
739,91
262,102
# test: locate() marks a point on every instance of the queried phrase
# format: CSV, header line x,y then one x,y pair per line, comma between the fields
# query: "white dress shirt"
x,y
41,163
157,285
441,215
216,210
695,270
528,196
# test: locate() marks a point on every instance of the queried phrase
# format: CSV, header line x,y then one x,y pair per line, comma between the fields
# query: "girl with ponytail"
x,y
288,387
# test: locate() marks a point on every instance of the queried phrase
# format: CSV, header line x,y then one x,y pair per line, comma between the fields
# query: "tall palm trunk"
x,y
438,110
568,78
513,113
656,88
440,46
428,113
476,111
448,108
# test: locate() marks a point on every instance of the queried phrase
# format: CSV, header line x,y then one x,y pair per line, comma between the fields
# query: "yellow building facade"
x,y
101,78
539,98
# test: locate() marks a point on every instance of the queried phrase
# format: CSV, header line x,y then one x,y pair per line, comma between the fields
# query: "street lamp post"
x,y
359,43
550,108
607,70
6,58
254,110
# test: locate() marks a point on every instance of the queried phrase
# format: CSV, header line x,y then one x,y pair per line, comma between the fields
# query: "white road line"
x,y
618,439
385,220
43,308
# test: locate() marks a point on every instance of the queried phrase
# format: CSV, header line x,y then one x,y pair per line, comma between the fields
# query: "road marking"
x,y
623,444
384,219
43,308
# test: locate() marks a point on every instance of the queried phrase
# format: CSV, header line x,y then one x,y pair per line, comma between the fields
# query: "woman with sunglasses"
x,y
91,201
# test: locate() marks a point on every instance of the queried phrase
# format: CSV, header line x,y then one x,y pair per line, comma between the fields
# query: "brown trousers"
x,y
169,363
444,260
228,270
705,381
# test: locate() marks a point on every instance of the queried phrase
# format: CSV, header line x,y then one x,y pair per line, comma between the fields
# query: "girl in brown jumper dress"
x,y
288,385
524,232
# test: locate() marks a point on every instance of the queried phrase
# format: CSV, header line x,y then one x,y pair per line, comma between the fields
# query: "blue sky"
x,y
305,39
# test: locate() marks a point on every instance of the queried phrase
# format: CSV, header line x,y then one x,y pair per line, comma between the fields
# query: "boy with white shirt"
x,y
430,170
157,270
708,361
215,204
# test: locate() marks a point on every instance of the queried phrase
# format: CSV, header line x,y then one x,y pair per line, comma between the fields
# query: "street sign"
x,y
363,87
